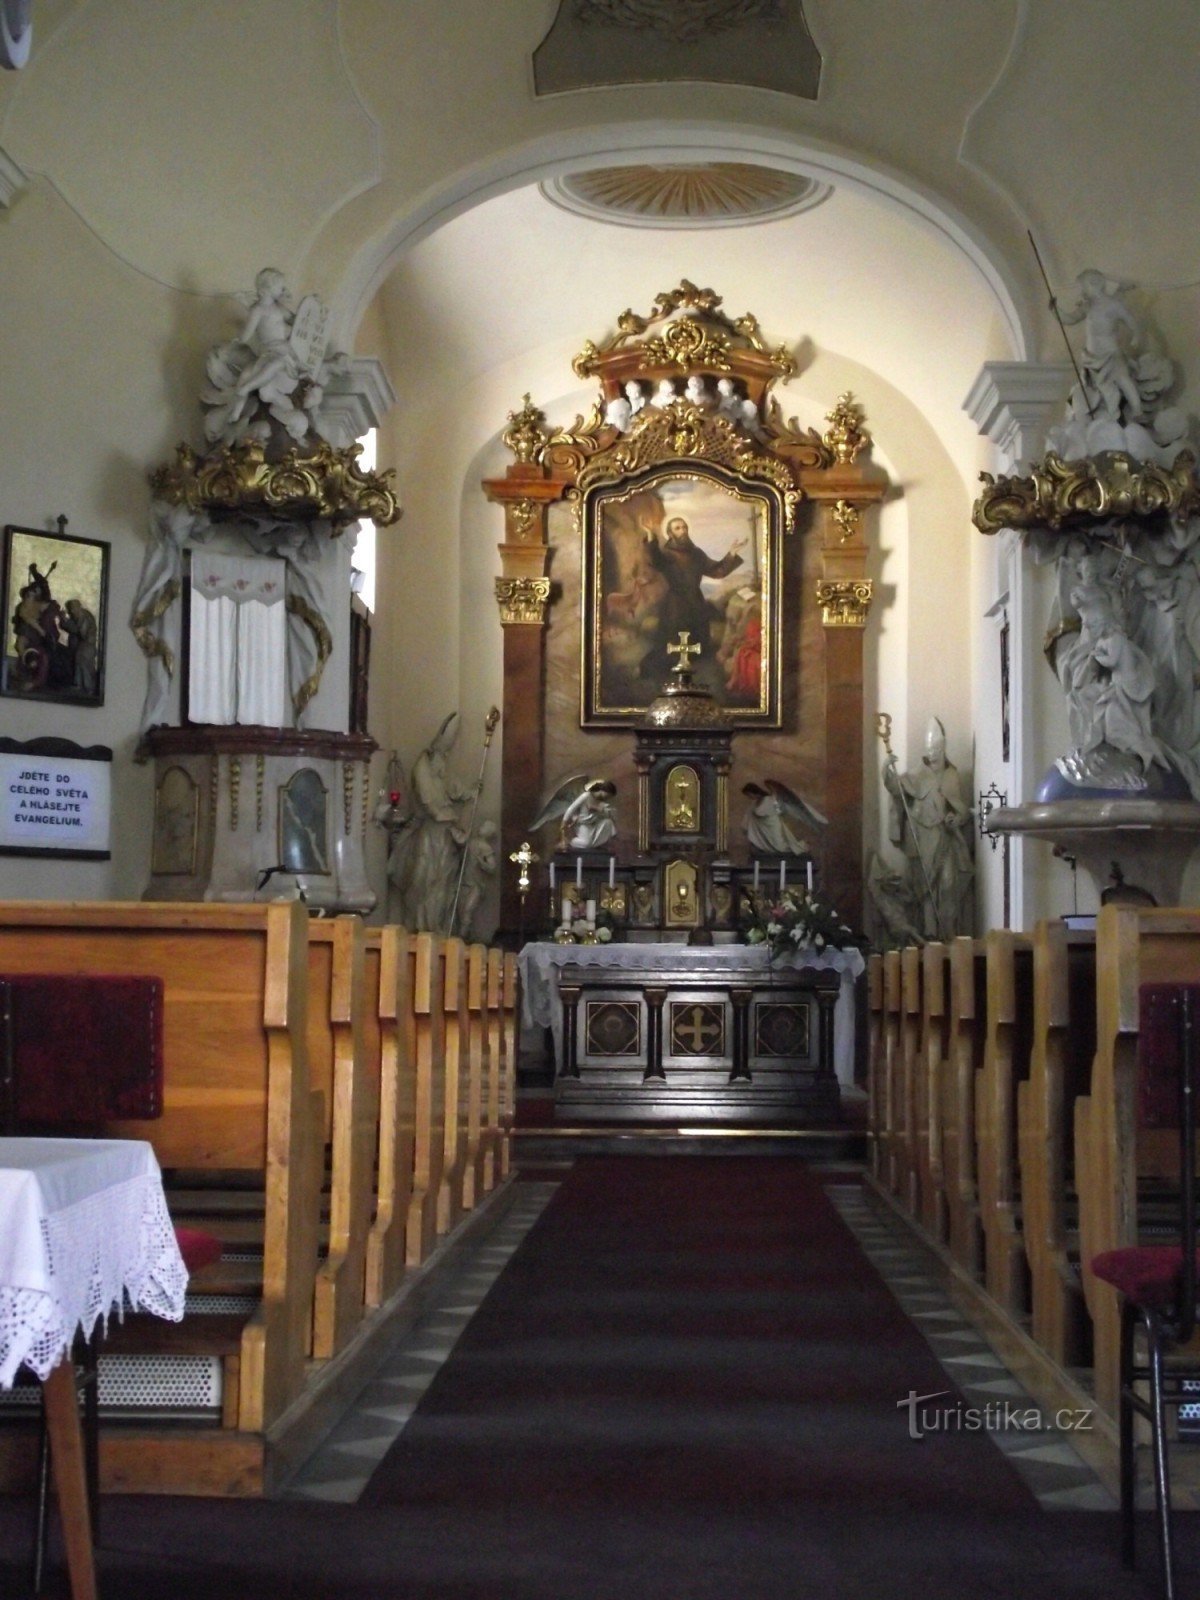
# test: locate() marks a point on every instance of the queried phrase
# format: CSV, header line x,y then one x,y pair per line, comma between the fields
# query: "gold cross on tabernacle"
x,y
697,1029
685,650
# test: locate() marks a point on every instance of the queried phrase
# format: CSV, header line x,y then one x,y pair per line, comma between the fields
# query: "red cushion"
x,y
1148,1275
197,1249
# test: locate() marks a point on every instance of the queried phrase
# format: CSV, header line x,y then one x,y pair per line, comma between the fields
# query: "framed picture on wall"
x,y
55,625
682,549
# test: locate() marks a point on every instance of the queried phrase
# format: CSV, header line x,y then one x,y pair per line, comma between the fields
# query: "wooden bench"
x,y
935,1035
390,1030
911,1128
964,1058
893,1095
1064,1043
1133,946
1007,1044
236,1099
876,1069
429,1123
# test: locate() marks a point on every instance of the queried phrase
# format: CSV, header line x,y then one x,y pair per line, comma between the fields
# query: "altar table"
x,y
83,1229
539,996
730,981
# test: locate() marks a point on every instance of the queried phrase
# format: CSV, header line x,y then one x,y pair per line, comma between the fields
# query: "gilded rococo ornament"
x,y
321,483
691,334
526,434
522,600
1059,494
846,436
844,603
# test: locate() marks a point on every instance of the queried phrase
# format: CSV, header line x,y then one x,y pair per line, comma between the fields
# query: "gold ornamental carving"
x,y
1060,494
322,483
148,641
522,522
803,445
846,436
522,599
526,434
322,638
568,449
848,519
235,790
691,334
686,432
844,602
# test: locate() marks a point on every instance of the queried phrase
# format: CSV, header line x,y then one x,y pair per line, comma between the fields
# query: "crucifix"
x,y
685,650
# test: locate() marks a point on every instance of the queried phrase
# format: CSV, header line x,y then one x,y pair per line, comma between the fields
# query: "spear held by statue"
x,y
489,728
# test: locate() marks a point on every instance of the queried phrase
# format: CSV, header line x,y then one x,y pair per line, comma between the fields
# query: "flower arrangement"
x,y
795,920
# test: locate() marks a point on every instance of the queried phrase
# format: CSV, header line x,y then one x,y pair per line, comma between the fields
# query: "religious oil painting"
x,y
683,551
55,589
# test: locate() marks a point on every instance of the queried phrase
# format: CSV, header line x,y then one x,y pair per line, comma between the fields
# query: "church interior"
x,y
600,754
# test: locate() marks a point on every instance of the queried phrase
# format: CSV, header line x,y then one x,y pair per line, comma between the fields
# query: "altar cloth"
x,y
539,962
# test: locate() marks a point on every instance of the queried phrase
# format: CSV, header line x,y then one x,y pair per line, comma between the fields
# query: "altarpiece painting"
x,y
688,550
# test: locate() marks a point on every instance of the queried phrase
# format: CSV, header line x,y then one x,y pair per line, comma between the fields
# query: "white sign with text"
x,y
54,803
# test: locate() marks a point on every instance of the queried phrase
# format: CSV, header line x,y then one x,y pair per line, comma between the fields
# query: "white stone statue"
x,y
276,369
618,413
478,869
426,852
932,823
583,806
664,394
1120,403
736,406
696,391
775,817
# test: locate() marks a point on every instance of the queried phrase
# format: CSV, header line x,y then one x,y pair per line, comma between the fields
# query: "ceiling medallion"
x,y
710,194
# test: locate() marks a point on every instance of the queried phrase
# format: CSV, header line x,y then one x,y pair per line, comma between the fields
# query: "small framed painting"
x,y
55,626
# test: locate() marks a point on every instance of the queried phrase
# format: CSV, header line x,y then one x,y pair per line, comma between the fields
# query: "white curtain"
x,y
237,669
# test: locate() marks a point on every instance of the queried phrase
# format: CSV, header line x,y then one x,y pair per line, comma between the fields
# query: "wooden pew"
x,y
1008,1040
493,1135
894,1103
390,978
876,1068
912,1127
236,1098
1133,946
964,1057
510,1033
1064,1043
456,1045
339,1071
477,1074
935,1018
429,1127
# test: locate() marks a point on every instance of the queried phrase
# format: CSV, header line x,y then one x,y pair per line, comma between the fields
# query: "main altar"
x,y
683,595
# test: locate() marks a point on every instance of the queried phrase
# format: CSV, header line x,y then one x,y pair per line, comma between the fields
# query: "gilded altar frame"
x,y
645,580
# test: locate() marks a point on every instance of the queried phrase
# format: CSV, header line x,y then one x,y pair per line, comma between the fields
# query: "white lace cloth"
x,y
539,962
83,1228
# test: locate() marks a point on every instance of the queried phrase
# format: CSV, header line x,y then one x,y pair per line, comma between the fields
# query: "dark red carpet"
x,y
683,1387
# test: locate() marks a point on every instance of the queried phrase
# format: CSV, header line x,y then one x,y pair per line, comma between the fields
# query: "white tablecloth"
x,y
83,1228
539,962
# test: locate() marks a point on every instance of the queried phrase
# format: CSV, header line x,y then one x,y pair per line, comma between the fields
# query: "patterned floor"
x,y
1044,1456
346,1458
1049,1464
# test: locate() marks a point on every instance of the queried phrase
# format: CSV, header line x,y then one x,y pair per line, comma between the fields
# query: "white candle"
x,y
612,871
579,872
566,912
809,870
552,880
757,865
590,918
782,876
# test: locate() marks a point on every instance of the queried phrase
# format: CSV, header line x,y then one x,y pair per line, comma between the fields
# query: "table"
x,y
83,1229
540,960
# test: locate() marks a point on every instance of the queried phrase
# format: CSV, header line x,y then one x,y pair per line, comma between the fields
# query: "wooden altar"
x,y
682,502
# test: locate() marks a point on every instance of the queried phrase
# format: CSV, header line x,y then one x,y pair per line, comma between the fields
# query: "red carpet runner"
x,y
683,1387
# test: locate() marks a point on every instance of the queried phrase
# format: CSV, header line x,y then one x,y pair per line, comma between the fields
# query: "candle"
x,y
566,912
579,872
590,918
552,880
612,871
782,876
756,872
808,868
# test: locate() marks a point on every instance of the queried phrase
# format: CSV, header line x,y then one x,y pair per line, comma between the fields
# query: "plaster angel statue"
x,y
583,806
775,818
276,369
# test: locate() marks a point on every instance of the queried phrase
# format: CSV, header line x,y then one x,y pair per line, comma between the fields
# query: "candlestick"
x,y
579,872
612,871
782,876
590,916
808,869
757,865
566,911
552,880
